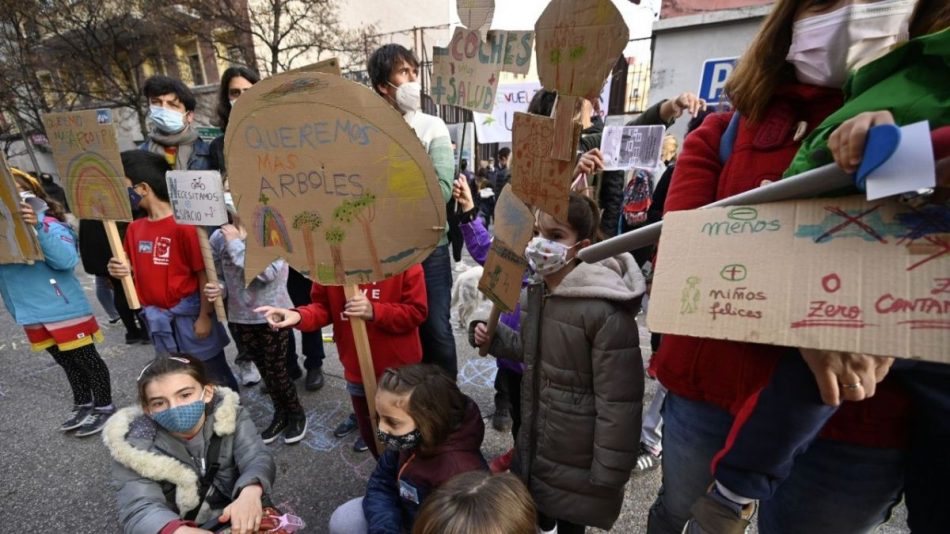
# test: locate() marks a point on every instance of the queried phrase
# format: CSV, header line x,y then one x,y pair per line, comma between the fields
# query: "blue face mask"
x,y
166,120
180,419
134,198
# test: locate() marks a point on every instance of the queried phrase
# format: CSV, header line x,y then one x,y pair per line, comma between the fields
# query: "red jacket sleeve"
x,y
696,176
410,311
316,314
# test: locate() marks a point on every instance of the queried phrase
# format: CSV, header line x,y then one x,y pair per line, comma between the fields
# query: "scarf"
x,y
184,140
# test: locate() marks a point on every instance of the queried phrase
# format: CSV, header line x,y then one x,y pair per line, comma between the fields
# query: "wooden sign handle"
x,y
492,326
365,356
210,271
118,252
565,114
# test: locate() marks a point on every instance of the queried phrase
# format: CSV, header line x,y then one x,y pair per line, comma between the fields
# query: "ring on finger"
x,y
854,386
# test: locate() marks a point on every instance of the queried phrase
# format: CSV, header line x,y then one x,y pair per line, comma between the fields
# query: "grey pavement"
x,y
55,482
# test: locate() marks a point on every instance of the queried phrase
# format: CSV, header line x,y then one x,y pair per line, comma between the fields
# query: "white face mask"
x,y
826,48
409,97
546,256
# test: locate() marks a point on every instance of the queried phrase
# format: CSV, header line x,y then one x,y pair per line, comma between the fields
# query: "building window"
x,y
197,73
190,65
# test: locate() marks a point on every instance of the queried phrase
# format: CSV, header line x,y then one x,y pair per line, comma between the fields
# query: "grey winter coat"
x,y
157,479
582,392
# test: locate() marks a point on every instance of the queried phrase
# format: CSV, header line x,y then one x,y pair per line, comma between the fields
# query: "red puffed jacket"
x,y
399,306
726,373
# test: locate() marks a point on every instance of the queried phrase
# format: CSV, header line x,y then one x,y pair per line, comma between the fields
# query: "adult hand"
x,y
589,163
118,269
231,232
202,326
463,194
245,512
481,335
844,376
29,216
674,108
279,318
212,291
359,306
847,141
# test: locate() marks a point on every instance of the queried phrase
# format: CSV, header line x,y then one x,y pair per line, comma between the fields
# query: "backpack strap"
x,y
214,451
728,141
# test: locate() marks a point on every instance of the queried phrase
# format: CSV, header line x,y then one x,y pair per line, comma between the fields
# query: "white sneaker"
x,y
248,373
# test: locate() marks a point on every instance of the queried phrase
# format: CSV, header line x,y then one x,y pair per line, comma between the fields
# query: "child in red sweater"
x,y
393,310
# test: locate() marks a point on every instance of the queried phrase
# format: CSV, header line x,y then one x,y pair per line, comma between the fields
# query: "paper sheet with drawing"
x,y
626,147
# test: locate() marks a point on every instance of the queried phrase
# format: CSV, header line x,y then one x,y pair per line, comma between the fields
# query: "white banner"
x,y
512,98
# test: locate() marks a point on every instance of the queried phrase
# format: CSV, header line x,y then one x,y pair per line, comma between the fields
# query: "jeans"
x,y
651,434
438,341
311,343
105,297
835,488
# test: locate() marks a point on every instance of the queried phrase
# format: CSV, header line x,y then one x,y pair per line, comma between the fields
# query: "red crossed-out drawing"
x,y
848,221
943,249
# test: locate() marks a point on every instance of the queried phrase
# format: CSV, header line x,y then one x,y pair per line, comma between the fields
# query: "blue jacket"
x,y
200,159
47,291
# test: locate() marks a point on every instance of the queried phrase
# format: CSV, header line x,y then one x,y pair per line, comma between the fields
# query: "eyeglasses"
x,y
235,92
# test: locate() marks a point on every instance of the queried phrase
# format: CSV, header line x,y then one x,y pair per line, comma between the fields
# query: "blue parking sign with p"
x,y
713,81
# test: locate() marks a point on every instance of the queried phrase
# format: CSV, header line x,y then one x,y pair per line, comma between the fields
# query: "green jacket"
x,y
912,82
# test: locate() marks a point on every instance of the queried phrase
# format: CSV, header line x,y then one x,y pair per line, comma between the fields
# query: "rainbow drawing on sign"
x,y
93,188
270,228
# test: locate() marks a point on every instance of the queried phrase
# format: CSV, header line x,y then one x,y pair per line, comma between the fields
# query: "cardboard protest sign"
x,y
327,66
506,265
626,147
86,149
476,14
18,243
839,274
537,179
579,42
329,176
197,199
465,74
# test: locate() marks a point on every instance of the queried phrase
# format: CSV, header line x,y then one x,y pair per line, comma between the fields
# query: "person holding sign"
x,y
581,348
393,71
165,258
47,299
171,113
393,311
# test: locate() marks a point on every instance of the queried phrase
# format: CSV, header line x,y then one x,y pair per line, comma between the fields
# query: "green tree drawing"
x,y
363,210
307,222
335,236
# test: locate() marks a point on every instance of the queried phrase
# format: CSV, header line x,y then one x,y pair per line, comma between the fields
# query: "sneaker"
x,y
296,428
114,320
346,428
646,461
133,338
94,422
314,379
359,445
501,421
501,464
713,513
248,373
460,267
275,429
76,417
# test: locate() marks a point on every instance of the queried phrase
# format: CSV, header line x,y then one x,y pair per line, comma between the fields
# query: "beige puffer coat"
x,y
582,393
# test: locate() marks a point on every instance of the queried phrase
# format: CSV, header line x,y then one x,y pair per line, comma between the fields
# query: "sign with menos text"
x,y
840,274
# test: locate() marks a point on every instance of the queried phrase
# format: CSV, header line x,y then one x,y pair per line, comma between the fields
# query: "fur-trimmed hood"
x,y
617,279
130,434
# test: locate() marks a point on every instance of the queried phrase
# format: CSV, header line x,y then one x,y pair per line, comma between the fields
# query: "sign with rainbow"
x,y
330,177
86,149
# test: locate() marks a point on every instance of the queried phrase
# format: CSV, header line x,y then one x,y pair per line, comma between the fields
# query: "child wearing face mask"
x,y
582,390
431,431
805,391
48,301
189,452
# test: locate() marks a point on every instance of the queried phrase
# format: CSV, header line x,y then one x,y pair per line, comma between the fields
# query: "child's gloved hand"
x,y
212,291
359,307
847,141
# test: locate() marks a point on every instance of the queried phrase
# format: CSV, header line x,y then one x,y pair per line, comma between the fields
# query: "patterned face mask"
x,y
546,256
405,442
180,419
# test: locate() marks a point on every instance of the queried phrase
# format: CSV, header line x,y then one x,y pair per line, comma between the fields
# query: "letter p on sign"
x,y
715,74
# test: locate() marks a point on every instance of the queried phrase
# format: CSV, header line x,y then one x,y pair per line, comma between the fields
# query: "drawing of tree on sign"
x,y
307,222
335,236
362,209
